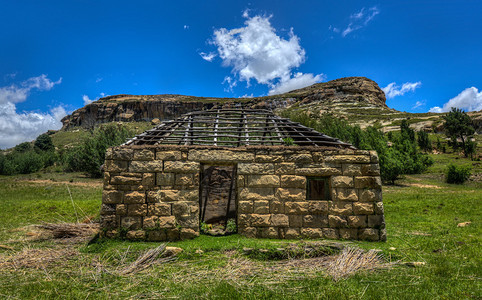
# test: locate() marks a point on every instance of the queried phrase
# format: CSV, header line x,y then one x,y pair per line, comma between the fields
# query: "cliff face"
x,y
130,108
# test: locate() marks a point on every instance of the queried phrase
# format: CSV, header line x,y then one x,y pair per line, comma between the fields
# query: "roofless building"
x,y
274,178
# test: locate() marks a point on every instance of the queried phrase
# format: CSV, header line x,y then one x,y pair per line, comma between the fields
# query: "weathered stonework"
x,y
152,192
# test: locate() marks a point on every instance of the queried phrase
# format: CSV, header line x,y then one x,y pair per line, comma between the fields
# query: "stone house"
x,y
273,177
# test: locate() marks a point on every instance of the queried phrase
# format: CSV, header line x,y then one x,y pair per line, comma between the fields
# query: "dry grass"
x,y
146,259
36,258
74,232
353,260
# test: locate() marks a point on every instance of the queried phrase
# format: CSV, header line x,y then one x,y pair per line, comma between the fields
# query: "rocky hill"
x,y
128,108
357,99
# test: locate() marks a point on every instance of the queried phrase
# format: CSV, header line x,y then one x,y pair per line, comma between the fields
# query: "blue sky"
x,y
58,55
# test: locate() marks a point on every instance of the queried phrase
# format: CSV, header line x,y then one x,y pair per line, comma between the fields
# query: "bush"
x,y
89,156
21,163
424,141
44,143
457,174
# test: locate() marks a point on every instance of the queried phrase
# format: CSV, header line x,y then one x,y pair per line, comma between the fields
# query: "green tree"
x,y
44,143
458,125
424,141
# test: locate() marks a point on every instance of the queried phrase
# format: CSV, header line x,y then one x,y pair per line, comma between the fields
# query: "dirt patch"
x,y
425,186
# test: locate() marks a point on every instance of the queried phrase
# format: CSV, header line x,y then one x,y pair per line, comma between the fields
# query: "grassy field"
x,y
422,213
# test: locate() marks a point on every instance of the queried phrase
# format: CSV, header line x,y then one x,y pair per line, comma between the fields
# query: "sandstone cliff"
x,y
147,107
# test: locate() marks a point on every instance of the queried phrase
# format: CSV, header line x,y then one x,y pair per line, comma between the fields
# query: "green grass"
x,y
422,213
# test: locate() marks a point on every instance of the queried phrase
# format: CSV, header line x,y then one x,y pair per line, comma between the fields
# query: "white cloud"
x,y
418,104
469,99
87,100
98,79
299,81
358,20
393,90
17,127
208,56
256,52
18,93
186,26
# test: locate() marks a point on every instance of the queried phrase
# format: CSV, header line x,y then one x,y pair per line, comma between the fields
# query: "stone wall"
x,y
152,192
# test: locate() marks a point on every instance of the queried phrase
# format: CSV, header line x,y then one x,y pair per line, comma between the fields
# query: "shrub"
x,y
44,143
89,156
424,141
457,174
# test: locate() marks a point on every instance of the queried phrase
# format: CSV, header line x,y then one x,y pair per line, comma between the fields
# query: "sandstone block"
x,y
376,221
180,209
107,209
134,198
145,166
245,207
295,221
363,208
144,154
156,235
326,171
299,158
188,221
383,235
112,197
263,181
249,232
256,194
151,222
137,209
189,180
181,167
315,221
370,195
148,179
318,157
285,168
348,158
379,208
131,223
241,181
357,221
167,222
261,207
346,194
318,207
177,195
165,179
342,182
112,234
337,221
122,153
136,235
293,181
368,234
276,207
312,233
168,155
221,156
368,182
292,233
268,158
352,170
194,209
125,180
348,233
188,233
173,234
290,194
121,210
260,220
116,165
330,233
371,169
373,157
341,208
159,209
296,208
280,220
268,233
255,168
106,178
109,222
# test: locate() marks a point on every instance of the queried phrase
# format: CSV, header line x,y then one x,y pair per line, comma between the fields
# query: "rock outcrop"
x,y
130,108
